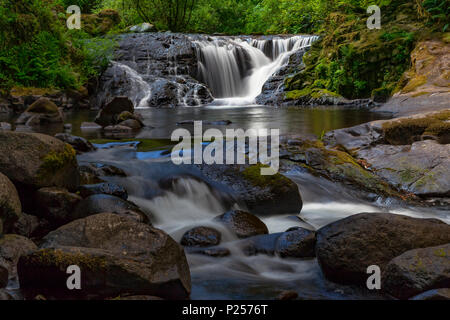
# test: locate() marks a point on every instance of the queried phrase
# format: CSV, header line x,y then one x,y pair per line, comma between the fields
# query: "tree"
x,y
175,14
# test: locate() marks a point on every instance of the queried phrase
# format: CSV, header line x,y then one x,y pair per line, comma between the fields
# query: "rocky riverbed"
x,y
355,188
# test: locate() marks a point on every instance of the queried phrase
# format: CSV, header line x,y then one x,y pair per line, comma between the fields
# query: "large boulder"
x,y
111,112
12,247
417,270
242,224
10,206
346,248
201,237
100,203
116,256
41,112
36,160
56,205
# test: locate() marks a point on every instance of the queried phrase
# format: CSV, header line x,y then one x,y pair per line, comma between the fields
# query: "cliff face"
x,y
353,61
426,85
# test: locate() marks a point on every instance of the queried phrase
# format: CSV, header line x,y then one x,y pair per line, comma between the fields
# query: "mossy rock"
x,y
43,105
407,130
36,160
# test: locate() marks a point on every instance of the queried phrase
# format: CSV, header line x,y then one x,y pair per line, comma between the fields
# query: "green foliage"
x,y
86,6
438,12
37,50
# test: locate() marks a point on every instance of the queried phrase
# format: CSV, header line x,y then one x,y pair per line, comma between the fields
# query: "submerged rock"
x,y
215,252
116,256
416,271
201,237
346,248
103,188
242,224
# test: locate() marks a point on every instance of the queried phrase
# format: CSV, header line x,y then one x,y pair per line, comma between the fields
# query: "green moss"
x,y
406,131
308,93
414,83
253,175
64,259
55,161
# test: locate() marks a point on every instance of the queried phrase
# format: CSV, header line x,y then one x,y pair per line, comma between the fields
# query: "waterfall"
x,y
236,69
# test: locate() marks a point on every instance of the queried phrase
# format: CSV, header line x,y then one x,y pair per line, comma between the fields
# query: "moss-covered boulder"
x,y
116,256
111,112
261,194
36,160
10,206
101,23
417,271
41,112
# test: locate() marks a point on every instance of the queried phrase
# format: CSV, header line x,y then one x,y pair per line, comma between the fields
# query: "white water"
x,y
236,70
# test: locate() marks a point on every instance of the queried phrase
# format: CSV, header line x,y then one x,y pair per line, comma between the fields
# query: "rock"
x,y
29,226
420,169
3,277
103,188
173,62
12,247
288,295
41,112
201,237
109,113
130,123
4,295
100,203
346,248
88,126
56,205
78,143
261,244
10,206
36,160
215,252
102,169
88,175
262,195
297,243
5,126
143,27
115,254
435,294
117,129
243,224
416,271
